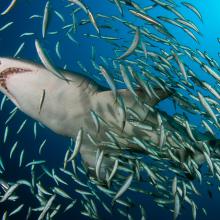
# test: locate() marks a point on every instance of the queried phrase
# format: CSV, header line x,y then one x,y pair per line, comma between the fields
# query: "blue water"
x,y
71,53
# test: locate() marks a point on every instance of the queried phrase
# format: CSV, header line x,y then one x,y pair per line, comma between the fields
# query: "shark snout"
x,y
9,67
7,72
11,74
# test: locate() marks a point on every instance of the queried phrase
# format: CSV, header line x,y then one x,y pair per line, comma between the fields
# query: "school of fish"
x,y
142,148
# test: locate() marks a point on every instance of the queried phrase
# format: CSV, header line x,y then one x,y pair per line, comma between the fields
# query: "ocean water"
x,y
56,146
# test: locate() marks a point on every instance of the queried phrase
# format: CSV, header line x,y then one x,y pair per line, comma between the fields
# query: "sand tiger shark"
x,y
67,104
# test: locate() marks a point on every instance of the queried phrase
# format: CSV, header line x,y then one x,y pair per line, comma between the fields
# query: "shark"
x,y
65,106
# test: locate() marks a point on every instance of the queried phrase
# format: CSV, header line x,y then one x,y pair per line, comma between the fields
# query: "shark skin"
x,y
65,106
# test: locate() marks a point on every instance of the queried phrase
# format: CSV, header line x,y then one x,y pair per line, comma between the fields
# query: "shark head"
x,y
40,94
24,82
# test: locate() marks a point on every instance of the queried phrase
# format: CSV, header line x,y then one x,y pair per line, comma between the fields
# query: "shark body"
x,y
65,106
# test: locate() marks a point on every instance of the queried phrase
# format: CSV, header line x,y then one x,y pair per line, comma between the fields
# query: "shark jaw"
x,y
5,75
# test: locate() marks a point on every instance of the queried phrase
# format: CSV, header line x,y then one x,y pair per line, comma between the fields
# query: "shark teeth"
x,y
4,76
10,71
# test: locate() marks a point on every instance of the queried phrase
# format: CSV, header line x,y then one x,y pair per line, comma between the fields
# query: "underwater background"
x,y
74,54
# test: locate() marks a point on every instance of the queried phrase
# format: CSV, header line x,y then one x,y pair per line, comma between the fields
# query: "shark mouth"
x,y
4,75
8,72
